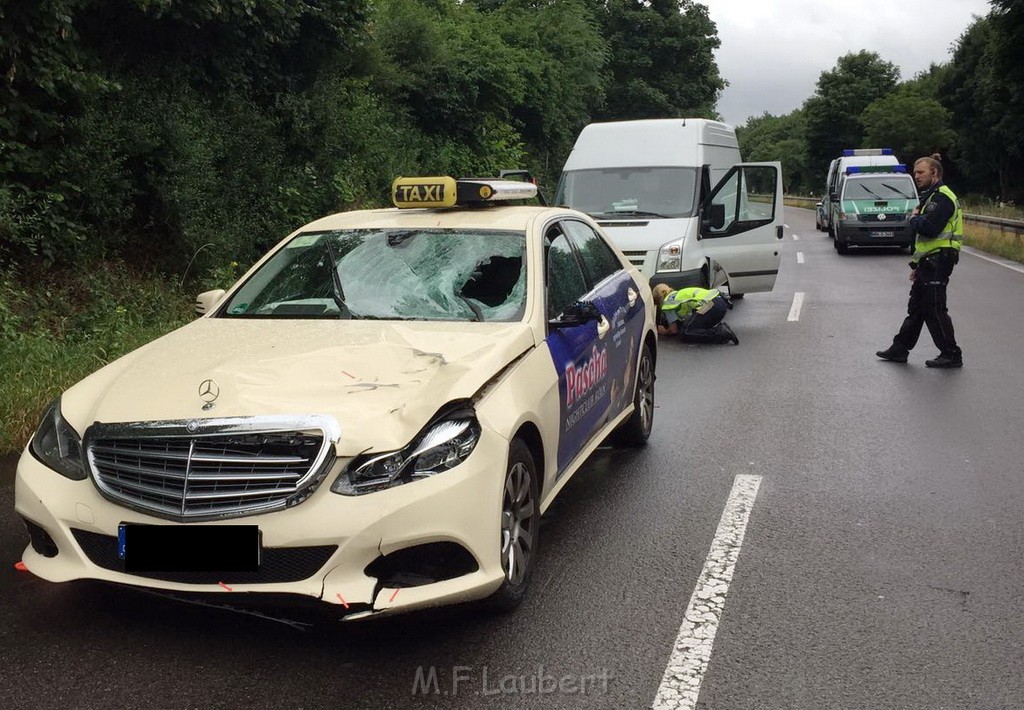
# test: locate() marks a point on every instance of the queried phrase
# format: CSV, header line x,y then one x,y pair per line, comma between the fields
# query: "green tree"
x,y
662,59
833,112
782,138
908,123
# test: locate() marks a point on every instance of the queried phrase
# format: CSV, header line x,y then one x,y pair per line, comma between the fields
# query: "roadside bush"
x,y
67,323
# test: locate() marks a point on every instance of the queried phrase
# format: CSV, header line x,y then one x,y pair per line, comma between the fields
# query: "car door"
x,y
618,300
581,365
741,225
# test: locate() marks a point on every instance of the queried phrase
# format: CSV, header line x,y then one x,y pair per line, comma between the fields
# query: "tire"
x,y
736,296
841,247
519,526
635,431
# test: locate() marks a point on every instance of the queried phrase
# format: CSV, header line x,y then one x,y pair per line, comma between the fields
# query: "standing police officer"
x,y
938,223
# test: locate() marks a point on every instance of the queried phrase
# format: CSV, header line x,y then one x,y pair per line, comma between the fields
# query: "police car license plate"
x,y
189,548
882,235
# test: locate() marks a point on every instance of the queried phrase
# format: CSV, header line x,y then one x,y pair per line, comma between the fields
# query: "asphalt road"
x,y
880,567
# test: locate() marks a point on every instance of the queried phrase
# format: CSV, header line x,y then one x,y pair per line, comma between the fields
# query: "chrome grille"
x,y
636,258
211,468
889,217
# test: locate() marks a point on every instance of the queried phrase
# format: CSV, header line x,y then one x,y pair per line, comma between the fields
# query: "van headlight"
x,y
57,445
670,256
444,444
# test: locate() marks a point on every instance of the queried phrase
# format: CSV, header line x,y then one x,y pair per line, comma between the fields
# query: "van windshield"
x,y
648,192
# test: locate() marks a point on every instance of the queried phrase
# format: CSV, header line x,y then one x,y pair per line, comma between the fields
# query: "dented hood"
x,y
382,381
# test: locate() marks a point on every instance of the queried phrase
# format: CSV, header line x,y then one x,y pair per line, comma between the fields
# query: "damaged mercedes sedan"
x,y
375,416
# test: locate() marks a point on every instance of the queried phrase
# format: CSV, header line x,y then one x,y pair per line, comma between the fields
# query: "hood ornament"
x,y
882,217
209,391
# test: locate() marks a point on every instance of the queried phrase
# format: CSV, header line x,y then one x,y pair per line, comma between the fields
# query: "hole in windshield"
x,y
390,274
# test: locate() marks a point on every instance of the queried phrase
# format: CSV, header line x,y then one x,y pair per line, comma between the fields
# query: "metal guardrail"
x,y
1014,226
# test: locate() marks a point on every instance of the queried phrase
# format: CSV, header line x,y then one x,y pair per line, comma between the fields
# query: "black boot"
x,y
728,335
947,361
893,354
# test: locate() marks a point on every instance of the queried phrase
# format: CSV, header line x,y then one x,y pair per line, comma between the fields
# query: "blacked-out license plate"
x,y
189,548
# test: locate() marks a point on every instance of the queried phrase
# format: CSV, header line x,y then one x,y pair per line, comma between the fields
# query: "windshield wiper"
x,y
336,290
627,213
898,192
867,189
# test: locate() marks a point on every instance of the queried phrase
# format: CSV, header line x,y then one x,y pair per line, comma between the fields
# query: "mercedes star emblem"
x,y
209,391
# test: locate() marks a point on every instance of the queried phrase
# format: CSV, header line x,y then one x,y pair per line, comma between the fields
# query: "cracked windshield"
x,y
390,274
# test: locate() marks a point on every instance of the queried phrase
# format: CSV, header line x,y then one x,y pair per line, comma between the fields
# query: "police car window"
x,y
565,282
390,274
599,260
882,187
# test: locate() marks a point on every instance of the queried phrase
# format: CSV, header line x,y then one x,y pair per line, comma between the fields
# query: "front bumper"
x,y
878,234
320,548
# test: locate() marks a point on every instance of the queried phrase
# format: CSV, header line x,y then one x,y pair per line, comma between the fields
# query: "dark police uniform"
x,y
938,227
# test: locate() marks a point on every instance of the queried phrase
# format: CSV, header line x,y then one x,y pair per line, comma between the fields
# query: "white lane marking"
x,y
798,302
796,237
799,257
681,683
1012,266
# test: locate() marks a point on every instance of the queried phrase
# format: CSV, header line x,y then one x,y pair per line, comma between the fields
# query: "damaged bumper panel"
x,y
422,544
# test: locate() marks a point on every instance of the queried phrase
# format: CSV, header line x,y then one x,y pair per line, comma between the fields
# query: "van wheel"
x,y
519,527
736,296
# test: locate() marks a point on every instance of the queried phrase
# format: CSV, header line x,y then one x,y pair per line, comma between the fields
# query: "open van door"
x,y
741,226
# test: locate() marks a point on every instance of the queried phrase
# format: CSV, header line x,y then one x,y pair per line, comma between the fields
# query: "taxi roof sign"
x,y
424,192
411,192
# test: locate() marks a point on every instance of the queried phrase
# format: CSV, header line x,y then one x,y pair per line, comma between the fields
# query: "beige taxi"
x,y
375,416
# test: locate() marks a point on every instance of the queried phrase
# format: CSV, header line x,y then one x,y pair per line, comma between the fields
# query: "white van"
x,y
674,196
851,157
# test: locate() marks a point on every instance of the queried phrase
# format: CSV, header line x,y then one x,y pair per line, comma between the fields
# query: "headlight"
x,y
445,444
670,256
57,445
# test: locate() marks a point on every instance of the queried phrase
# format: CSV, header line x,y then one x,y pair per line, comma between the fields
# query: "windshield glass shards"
x,y
390,274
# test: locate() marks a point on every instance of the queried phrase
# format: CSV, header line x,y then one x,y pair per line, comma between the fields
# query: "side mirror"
x,y
579,313
833,196
208,300
714,216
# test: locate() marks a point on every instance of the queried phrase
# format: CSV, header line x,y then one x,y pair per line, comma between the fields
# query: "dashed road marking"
x,y
680,685
798,302
796,237
799,257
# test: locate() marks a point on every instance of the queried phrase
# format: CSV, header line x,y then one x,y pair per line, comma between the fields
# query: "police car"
x,y
375,416
874,207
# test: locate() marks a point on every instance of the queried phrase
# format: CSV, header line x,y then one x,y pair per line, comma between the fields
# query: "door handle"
x,y
603,326
631,295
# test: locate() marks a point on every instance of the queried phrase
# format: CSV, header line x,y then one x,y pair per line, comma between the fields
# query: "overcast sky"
x,y
773,51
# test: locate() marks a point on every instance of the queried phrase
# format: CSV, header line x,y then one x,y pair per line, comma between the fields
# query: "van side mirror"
x,y
579,313
207,301
714,216
833,196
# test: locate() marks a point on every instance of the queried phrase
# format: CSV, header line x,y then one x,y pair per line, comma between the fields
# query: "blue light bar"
x,y
853,169
849,152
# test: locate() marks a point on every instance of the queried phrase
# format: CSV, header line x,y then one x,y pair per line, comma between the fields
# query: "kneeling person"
x,y
695,314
